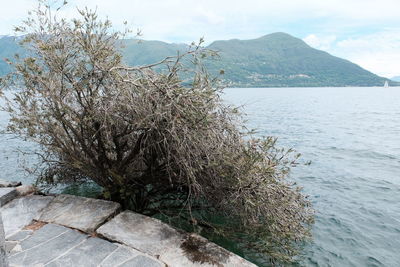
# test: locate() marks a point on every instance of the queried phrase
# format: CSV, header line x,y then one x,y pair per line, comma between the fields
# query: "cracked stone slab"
x,y
169,245
3,248
42,235
7,194
54,245
143,233
119,256
20,212
85,214
89,253
45,245
140,261
19,236
196,251
10,245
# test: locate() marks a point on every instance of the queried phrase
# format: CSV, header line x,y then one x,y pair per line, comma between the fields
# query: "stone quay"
x,y
66,230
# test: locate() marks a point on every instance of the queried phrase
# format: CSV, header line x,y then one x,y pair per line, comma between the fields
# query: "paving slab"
x,y
7,194
198,251
119,256
164,242
3,248
90,253
54,245
85,214
44,234
20,212
143,233
10,245
45,245
141,261
20,235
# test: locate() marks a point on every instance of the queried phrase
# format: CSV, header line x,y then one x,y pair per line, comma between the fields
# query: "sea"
x,y
351,136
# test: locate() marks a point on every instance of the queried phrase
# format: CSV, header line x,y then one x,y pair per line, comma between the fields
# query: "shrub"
x,y
153,140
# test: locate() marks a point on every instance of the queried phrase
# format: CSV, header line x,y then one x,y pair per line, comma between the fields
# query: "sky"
x,y
366,32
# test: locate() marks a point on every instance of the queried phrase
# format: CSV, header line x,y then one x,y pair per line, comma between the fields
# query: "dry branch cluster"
x,y
152,140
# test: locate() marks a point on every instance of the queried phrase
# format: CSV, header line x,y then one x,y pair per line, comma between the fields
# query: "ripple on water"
x,y
351,135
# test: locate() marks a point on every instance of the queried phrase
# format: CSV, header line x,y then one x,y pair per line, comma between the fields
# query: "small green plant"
x,y
155,141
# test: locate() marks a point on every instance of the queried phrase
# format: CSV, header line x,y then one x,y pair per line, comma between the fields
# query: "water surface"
x,y
352,137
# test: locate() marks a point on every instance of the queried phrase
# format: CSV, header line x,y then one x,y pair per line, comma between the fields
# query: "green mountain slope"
x,y
8,48
282,60
274,60
147,52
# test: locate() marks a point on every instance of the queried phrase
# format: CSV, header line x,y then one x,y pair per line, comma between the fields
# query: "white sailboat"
x,y
386,84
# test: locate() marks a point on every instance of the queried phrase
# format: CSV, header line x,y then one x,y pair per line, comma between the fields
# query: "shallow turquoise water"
x,y
352,137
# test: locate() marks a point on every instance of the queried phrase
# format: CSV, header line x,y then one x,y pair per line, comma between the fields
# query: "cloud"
x,y
323,43
226,18
378,52
12,13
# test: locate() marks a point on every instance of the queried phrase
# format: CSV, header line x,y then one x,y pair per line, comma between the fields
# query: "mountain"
x,y
274,60
8,48
279,59
396,78
146,52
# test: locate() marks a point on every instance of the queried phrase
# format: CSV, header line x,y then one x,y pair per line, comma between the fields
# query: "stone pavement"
x,y
56,245
75,231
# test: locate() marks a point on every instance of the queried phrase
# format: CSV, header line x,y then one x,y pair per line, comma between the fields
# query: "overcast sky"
x,y
366,32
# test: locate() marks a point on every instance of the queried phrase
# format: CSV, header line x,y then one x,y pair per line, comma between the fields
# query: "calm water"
x,y
352,137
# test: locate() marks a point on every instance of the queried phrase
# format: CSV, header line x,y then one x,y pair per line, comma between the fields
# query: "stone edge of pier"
x,y
147,240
